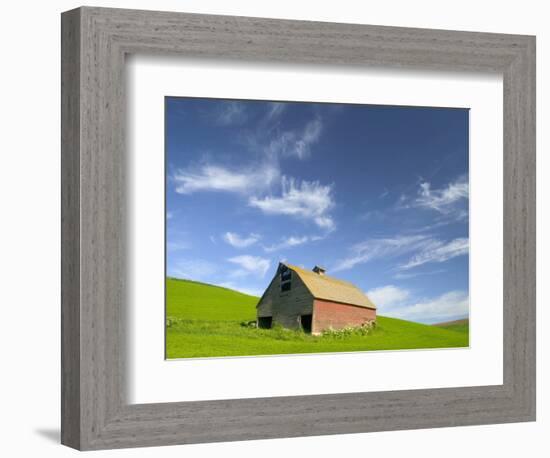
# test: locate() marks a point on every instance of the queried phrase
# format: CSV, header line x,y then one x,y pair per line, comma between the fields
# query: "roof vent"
x,y
319,270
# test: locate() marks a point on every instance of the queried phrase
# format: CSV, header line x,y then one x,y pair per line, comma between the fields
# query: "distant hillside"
x,y
205,321
456,325
191,300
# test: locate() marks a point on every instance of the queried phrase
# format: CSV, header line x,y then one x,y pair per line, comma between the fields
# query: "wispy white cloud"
x,y
177,239
309,136
388,296
422,248
381,247
242,288
238,241
448,306
302,199
297,143
438,251
175,245
211,177
288,242
230,113
293,241
274,111
406,275
275,142
373,215
251,264
450,202
309,200
398,302
442,200
193,269
325,222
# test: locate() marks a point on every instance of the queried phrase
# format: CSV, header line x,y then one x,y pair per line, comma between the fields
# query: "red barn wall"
x,y
327,314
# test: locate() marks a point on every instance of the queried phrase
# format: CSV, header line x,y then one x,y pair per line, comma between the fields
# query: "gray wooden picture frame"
x,y
95,412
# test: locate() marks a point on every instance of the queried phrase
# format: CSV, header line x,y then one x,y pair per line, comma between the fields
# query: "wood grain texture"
x,y
286,307
96,414
70,230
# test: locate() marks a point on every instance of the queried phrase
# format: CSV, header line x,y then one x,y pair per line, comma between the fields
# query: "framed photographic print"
x,y
269,194
336,219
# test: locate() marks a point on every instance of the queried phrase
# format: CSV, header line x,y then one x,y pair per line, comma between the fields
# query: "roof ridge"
x,y
331,288
316,275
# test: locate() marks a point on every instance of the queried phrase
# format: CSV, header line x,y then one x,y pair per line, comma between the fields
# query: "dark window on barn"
x,y
305,321
285,273
264,322
285,286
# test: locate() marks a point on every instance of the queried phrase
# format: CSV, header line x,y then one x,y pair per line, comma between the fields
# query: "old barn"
x,y
311,300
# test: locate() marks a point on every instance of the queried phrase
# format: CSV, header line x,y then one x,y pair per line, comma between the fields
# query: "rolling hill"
x,y
193,300
206,321
456,325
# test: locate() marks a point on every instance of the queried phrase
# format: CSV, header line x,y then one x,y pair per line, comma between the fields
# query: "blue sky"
x,y
376,194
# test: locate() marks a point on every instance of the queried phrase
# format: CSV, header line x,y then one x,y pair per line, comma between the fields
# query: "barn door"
x,y
305,321
265,322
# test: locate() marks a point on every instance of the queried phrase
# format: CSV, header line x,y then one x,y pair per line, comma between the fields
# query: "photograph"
x,y
308,227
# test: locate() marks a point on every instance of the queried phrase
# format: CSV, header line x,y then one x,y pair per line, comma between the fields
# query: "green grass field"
x,y
205,321
457,325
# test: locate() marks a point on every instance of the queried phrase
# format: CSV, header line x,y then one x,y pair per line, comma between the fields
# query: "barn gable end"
x,y
285,307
